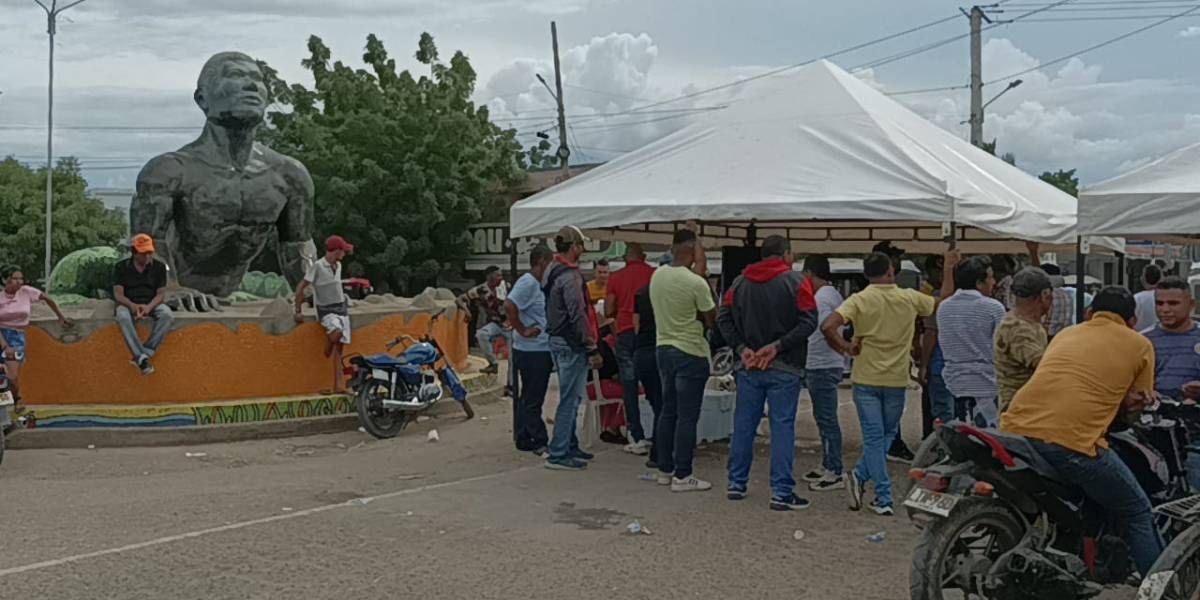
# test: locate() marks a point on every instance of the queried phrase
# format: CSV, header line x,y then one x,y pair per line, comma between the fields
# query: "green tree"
x,y
80,221
401,164
1063,180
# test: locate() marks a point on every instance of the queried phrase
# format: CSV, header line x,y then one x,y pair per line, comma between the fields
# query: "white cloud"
x,y
1190,32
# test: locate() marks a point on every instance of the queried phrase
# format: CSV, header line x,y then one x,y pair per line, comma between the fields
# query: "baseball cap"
x,y
142,243
337,242
572,234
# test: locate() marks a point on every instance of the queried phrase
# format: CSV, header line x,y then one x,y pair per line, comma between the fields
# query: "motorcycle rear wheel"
x,y
377,420
934,557
1176,574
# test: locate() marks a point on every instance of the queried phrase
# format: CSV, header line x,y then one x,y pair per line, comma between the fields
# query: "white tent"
x,y
1157,200
821,157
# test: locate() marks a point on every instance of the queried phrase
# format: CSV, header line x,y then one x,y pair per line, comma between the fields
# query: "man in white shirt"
x,y
822,374
1145,313
325,279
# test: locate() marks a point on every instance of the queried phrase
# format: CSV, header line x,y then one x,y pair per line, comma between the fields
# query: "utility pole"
x,y
977,17
563,151
52,13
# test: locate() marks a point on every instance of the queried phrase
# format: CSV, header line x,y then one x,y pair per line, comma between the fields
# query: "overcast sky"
x,y
130,66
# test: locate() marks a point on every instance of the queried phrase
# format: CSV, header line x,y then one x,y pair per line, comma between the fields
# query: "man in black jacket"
x,y
767,316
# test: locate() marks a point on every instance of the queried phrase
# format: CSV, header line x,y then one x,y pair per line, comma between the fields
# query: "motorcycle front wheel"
x,y
375,418
1176,574
976,528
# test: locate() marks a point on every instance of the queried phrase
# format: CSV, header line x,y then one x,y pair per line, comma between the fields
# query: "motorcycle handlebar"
x,y
400,340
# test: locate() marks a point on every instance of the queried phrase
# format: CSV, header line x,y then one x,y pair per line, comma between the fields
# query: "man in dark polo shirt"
x,y
140,290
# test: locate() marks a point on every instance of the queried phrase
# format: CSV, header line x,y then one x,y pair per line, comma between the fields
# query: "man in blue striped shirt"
x,y
1176,339
967,323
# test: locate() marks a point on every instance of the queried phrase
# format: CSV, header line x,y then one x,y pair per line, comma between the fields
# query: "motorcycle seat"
x,y
384,360
1020,446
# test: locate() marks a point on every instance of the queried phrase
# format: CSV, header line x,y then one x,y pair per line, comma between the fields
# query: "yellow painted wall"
x,y
207,362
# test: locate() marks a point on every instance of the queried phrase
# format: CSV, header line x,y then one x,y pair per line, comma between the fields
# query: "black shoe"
x,y
583,455
900,452
541,452
650,464
789,502
490,370
612,437
735,493
466,406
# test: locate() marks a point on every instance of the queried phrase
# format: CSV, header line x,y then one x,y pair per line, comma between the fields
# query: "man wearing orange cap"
x,y
325,279
140,289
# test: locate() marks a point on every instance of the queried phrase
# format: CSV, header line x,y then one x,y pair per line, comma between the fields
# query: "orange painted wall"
x,y
207,362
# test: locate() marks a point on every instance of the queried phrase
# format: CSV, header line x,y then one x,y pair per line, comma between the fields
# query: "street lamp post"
x,y
52,12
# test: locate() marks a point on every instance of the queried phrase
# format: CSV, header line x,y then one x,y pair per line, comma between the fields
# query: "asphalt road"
x,y
343,516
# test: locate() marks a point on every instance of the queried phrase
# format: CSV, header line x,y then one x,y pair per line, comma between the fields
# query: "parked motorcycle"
x,y
998,522
390,391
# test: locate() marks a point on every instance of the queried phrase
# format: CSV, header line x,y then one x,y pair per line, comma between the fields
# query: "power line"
x,y
628,123
604,93
1097,46
1073,9
928,90
1080,19
938,44
778,70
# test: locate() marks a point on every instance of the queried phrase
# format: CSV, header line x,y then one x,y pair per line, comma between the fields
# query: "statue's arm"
x,y
296,249
153,206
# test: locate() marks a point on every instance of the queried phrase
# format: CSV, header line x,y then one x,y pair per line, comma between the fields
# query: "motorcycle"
x,y
998,522
390,391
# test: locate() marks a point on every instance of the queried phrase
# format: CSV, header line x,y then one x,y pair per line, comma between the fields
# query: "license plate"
x,y
930,501
6,398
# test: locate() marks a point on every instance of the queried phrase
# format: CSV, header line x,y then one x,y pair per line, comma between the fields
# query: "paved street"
x,y
466,517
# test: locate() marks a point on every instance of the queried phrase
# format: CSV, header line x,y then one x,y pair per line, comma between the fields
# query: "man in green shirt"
x,y
683,307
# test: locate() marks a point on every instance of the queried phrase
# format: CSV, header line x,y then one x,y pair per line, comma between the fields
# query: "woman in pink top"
x,y
15,305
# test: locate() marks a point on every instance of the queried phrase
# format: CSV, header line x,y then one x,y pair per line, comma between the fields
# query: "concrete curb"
x,y
126,437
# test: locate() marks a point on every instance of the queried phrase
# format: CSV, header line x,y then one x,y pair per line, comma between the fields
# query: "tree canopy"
x,y
1063,180
401,163
79,220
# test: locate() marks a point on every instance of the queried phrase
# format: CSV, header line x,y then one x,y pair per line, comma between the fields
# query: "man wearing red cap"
x,y
325,279
140,290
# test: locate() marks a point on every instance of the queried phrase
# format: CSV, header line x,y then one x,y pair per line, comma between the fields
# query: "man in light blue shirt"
x,y
526,311
822,374
967,323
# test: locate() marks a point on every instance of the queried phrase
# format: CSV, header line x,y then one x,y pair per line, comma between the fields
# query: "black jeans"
x,y
627,365
646,364
683,378
533,377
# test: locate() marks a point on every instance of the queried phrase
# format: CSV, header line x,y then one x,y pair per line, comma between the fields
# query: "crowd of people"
x,y
987,341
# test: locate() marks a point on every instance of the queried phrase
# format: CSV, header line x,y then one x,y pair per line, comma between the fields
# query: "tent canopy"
x,y
1158,200
821,157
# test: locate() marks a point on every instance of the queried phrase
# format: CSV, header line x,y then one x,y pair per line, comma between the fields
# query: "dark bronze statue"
x,y
225,204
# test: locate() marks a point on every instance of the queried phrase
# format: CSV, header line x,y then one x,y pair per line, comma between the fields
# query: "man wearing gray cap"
x,y
1021,339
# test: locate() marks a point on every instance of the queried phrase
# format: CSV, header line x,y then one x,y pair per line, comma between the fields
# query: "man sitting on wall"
x,y
488,298
140,290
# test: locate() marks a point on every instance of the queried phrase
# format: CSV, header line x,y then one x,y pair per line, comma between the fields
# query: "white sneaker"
x,y
640,448
690,484
664,479
827,482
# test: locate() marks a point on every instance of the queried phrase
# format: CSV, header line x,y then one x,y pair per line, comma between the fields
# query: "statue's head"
x,y
231,88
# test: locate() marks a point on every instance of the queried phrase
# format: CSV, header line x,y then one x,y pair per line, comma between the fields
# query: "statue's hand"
x,y
182,299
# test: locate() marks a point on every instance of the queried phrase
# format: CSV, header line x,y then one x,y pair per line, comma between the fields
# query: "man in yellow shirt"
x,y
884,318
1085,377
598,286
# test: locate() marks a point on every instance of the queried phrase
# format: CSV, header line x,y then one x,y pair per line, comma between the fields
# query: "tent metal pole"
x,y
1080,265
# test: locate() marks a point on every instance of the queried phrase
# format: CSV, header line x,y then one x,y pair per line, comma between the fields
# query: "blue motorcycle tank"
x,y
420,354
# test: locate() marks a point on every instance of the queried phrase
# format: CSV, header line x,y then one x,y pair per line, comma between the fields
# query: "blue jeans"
x,y
487,335
627,365
1107,481
822,385
162,317
1193,471
532,370
572,378
879,412
683,378
781,392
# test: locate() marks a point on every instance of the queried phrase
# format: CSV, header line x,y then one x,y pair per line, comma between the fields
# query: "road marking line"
x,y
243,524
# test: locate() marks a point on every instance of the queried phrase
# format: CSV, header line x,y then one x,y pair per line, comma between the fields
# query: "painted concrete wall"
x,y
209,361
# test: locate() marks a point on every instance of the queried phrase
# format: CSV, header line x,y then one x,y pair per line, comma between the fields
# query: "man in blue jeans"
x,y
767,315
532,362
571,323
683,306
822,375
884,318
